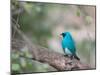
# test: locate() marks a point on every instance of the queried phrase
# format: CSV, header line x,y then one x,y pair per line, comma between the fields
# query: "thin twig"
x,y
29,43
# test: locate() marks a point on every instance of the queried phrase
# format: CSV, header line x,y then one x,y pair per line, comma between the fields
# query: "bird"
x,y
68,45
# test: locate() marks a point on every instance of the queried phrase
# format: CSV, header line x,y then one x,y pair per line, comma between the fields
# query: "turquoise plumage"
x,y
68,45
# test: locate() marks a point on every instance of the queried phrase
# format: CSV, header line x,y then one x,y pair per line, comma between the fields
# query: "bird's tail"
x,y
75,56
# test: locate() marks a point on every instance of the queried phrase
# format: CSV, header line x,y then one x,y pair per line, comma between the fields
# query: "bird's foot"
x,y
66,55
69,56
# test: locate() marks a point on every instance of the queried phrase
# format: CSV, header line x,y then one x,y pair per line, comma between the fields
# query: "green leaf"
x,y
15,67
23,62
88,19
14,56
78,13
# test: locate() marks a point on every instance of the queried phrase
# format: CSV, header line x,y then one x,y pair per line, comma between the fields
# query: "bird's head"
x,y
65,34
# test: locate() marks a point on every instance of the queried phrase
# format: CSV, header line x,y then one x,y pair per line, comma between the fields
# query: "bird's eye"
x,y
64,34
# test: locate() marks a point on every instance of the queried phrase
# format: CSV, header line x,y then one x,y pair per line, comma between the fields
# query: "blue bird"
x,y
68,45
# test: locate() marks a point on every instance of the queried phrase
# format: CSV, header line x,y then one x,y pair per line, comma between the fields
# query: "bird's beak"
x,y
60,36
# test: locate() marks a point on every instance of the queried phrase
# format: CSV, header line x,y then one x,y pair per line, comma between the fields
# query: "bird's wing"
x,y
71,39
70,44
71,47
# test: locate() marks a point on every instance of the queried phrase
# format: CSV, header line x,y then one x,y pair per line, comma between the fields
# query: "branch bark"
x,y
56,60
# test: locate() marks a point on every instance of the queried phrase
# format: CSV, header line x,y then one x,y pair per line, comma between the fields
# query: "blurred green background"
x,y
44,22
